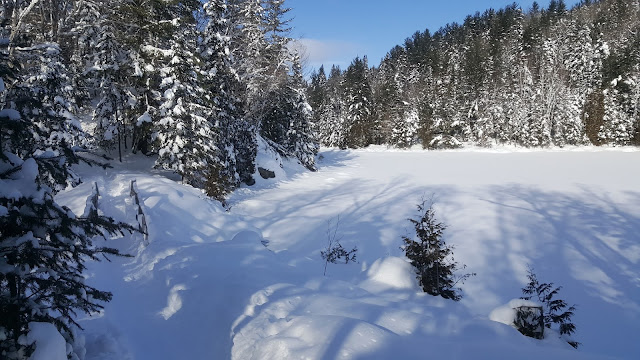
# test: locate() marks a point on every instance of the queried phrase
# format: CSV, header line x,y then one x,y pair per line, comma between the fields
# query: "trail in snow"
x,y
207,287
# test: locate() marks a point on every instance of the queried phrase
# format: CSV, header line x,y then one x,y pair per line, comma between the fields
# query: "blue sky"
x,y
336,31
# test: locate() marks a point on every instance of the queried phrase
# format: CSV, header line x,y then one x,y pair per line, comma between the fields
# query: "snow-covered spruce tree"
x,y
107,75
43,246
287,120
146,30
331,128
43,95
404,128
388,104
358,97
248,47
184,134
235,143
278,91
432,257
301,140
555,311
619,124
320,101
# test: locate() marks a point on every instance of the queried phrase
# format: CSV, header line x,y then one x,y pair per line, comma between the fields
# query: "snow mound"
x,y
506,314
249,237
268,158
11,114
390,273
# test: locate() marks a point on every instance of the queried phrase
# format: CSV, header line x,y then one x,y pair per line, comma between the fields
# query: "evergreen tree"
x,y
184,134
236,144
555,311
300,137
287,122
506,76
320,102
43,95
358,97
106,72
248,47
332,128
432,257
618,127
388,103
147,29
43,246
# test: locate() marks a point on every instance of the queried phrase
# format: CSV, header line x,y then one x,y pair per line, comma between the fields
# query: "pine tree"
x,y
43,96
107,75
184,134
358,97
432,257
236,143
332,126
388,103
618,127
248,47
301,140
147,29
320,102
44,247
404,129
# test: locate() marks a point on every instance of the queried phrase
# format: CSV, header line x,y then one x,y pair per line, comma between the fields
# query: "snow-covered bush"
x,y
444,142
432,257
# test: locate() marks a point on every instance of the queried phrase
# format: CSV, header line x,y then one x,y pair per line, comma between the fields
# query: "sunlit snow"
x,y
247,282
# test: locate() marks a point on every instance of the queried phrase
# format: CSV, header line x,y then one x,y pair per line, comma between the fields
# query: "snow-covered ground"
x,y
205,287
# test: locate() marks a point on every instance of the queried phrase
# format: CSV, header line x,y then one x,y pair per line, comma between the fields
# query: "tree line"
x,y
541,77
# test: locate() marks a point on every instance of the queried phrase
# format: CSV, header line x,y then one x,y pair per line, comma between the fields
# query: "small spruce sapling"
x,y
335,251
555,311
432,257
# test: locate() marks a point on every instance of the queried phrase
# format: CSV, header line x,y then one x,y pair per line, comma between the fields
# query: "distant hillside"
x,y
540,77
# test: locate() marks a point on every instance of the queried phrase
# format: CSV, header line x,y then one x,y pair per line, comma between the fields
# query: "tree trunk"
x,y
119,132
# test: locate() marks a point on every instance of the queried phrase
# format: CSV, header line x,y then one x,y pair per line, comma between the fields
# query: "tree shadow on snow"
x,y
584,241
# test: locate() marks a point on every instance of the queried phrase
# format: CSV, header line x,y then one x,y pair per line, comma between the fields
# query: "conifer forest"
x,y
532,78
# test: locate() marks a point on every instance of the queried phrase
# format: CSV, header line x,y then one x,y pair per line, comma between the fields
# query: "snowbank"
x,y
50,345
390,273
506,314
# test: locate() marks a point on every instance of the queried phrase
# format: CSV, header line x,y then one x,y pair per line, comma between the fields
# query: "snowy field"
x,y
205,287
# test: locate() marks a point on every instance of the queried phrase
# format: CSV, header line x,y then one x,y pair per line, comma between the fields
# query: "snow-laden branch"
x,y
16,29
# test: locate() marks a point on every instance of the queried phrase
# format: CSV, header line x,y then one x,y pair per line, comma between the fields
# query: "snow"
x,y
50,345
207,282
144,118
390,273
20,183
11,114
506,314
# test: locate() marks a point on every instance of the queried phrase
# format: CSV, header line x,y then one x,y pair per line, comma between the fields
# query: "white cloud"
x,y
328,52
